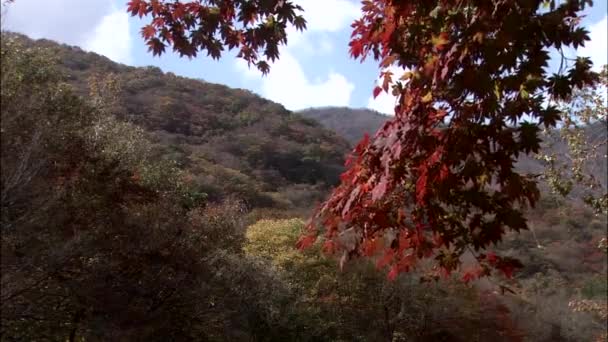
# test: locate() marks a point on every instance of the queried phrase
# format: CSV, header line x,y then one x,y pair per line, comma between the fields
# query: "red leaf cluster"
x,y
254,28
438,179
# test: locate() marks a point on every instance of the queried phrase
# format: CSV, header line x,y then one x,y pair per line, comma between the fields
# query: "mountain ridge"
x,y
233,141
350,123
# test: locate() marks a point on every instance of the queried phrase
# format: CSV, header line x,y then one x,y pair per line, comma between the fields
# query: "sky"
x,y
314,69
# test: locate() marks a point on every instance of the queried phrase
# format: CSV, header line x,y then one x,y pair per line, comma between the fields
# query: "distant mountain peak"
x,y
350,123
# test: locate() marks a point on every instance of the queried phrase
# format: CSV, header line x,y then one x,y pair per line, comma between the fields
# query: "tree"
x,y
100,240
440,175
255,28
582,138
360,304
437,180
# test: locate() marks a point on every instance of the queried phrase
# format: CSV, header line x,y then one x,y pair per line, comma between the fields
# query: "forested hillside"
x,y
349,123
563,229
353,124
131,211
231,141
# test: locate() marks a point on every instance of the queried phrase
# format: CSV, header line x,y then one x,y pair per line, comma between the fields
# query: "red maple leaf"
x,y
148,32
306,241
377,91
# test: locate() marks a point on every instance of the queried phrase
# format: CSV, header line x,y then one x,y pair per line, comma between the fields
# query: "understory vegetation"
x,y
177,220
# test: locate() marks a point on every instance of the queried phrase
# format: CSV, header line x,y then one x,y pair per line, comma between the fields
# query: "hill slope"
x,y
349,123
352,124
560,250
231,140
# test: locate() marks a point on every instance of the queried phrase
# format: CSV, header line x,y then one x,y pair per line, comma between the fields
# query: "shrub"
x,y
595,287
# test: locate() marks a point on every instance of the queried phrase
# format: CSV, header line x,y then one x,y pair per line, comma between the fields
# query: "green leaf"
x,y
523,93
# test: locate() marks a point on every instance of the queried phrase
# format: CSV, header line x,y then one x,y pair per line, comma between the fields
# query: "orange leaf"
x,y
369,247
440,41
387,80
428,97
388,61
148,32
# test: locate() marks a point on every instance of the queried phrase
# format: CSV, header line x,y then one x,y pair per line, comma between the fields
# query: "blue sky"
x,y
314,69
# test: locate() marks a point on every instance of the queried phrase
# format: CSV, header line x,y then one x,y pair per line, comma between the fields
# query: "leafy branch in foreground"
x,y
438,181
254,28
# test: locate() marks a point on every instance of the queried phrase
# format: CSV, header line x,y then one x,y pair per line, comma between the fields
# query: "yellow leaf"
x,y
406,75
497,91
440,40
523,93
428,97
478,37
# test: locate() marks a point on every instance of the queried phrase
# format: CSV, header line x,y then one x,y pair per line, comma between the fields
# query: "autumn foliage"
x,y
255,28
438,179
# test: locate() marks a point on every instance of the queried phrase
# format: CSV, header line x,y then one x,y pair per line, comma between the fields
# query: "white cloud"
x,y
325,45
67,21
249,73
597,48
111,38
385,102
92,24
287,82
329,15
310,44
323,19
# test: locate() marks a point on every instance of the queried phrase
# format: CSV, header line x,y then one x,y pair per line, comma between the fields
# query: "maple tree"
x,y
438,179
255,28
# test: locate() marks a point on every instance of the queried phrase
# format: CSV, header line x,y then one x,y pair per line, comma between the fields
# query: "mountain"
x,y
100,247
560,248
595,134
352,124
232,141
349,123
